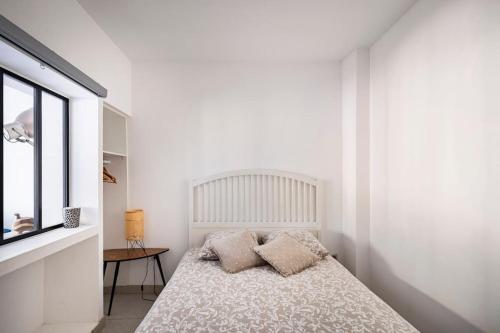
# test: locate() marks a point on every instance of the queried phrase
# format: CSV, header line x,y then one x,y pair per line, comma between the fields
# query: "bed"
x,y
201,297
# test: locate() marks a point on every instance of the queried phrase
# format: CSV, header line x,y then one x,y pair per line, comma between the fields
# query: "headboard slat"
x,y
256,199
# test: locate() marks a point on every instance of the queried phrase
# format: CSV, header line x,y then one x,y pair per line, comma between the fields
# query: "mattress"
x,y
201,297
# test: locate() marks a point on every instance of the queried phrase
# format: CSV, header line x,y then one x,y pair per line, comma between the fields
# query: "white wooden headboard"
x,y
261,200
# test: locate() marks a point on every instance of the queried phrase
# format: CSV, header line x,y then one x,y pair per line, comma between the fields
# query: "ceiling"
x,y
244,30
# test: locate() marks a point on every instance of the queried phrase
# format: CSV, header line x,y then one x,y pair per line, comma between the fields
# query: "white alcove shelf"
x,y
115,196
114,140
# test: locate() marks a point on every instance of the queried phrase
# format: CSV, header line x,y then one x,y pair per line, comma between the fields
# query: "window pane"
x,y
52,160
18,158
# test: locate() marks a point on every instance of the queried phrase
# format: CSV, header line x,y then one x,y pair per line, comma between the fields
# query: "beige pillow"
x,y
304,237
206,252
287,255
236,252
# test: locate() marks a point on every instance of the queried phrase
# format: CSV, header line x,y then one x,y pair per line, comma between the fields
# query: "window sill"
x,y
26,251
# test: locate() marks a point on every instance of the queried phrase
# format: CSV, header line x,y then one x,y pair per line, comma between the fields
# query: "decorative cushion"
x,y
304,237
206,252
287,255
236,252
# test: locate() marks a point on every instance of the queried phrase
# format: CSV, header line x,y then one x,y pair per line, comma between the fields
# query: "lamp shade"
x,y
134,224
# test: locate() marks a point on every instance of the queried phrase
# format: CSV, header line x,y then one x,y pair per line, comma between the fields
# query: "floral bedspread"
x,y
201,297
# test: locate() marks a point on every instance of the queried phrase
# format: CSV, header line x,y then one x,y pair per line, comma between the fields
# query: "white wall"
x,y
197,119
435,161
349,99
355,158
66,28
86,190
26,283
60,288
71,284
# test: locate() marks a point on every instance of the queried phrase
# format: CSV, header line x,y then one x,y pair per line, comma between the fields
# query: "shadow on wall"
x,y
332,240
423,312
348,257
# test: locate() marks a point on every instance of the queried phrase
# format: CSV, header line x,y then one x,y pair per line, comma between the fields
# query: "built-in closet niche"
x,y
115,196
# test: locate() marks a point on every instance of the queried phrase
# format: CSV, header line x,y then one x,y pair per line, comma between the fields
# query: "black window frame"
x,y
37,156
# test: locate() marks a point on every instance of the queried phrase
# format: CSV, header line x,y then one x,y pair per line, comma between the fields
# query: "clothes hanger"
x,y
107,177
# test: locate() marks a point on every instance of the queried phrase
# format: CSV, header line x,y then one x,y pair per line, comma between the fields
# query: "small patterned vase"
x,y
71,217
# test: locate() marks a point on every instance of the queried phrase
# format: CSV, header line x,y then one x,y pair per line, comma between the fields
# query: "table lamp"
x,y
134,228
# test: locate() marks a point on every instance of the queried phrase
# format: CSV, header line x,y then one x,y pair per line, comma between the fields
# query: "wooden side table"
x,y
119,255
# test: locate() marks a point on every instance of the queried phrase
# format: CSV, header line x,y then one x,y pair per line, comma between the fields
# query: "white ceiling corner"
x,y
246,30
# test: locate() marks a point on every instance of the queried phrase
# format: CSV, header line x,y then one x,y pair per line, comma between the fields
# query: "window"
x,y
34,153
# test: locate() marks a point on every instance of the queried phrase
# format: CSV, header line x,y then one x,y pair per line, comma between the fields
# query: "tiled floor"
x,y
127,312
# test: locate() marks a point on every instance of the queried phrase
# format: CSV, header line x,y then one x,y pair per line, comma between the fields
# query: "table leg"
x,y
104,269
117,268
157,257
